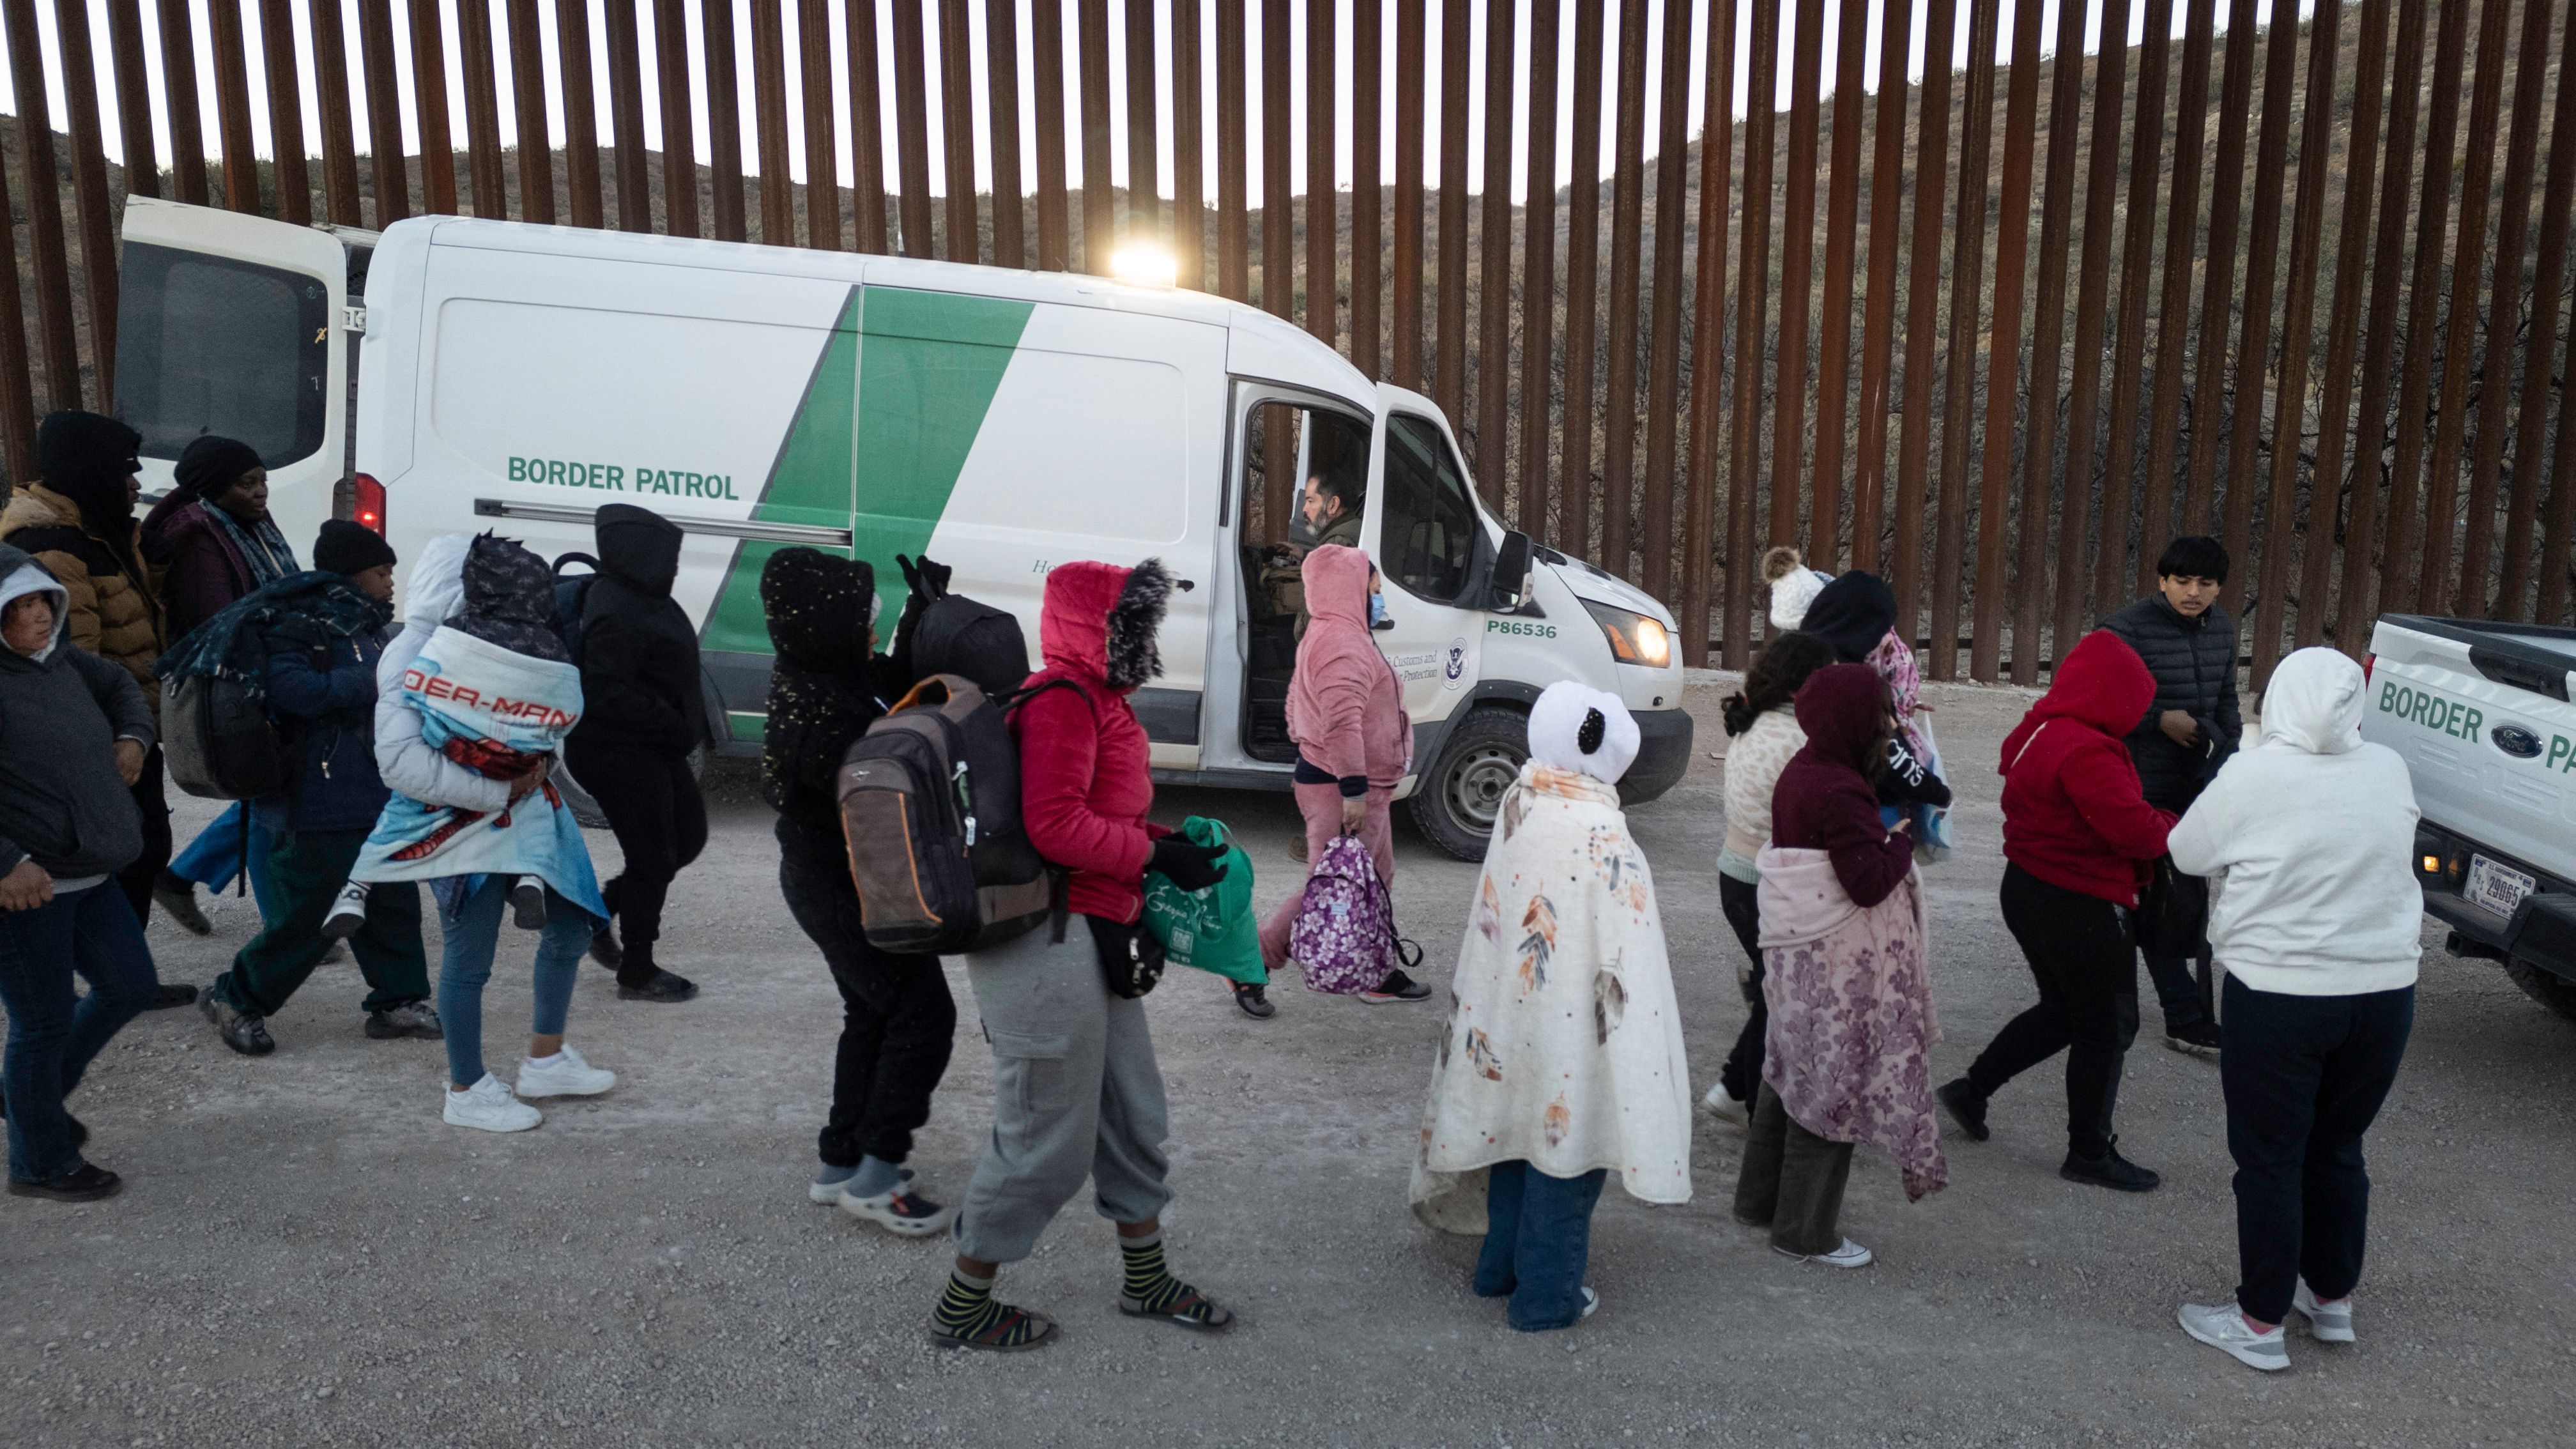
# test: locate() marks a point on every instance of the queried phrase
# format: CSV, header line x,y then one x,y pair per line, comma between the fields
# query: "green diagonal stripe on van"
x,y
809,482
897,398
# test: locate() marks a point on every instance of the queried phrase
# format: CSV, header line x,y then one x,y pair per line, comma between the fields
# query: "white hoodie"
x,y
2310,838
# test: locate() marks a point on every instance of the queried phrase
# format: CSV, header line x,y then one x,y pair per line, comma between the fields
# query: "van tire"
x,y
2547,988
1456,803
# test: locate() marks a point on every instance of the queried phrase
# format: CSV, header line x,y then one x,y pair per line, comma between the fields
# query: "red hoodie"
x,y
1085,776
2073,812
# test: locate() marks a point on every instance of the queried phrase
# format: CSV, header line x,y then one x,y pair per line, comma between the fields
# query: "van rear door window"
x,y
207,344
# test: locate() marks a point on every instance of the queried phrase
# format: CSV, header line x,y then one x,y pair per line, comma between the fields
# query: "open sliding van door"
x,y
235,326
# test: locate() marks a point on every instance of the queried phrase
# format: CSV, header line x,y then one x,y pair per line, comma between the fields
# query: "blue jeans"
x,y
52,1039
473,933
218,854
1538,1237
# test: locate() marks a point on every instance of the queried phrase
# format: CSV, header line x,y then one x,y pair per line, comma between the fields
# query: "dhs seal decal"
x,y
1453,664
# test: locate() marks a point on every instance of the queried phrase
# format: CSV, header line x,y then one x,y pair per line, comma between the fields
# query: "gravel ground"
x,y
305,1254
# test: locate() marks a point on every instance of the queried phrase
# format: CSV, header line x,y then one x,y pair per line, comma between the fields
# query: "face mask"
x,y
1377,610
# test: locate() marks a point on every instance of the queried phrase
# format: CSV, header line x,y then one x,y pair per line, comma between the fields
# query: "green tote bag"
x,y
1212,929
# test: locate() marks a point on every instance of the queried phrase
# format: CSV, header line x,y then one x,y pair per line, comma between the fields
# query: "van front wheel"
x,y
1456,804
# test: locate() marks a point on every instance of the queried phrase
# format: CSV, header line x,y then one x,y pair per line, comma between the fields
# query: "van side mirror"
x,y
1507,587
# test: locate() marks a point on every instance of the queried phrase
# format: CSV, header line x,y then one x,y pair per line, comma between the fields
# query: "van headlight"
x,y
1634,638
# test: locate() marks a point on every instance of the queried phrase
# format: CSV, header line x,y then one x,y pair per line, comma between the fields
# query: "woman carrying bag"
x,y
1076,1091
1354,745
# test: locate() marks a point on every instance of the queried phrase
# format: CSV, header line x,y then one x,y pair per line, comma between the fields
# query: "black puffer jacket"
x,y
826,688
2194,662
639,655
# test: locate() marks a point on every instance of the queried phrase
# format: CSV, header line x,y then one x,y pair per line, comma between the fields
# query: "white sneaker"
x,y
2327,1322
1591,1302
567,1075
348,912
2224,1328
1725,1106
1849,1255
490,1107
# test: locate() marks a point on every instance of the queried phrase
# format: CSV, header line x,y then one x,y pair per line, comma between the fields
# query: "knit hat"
x,y
346,548
1852,614
1793,586
210,465
1575,727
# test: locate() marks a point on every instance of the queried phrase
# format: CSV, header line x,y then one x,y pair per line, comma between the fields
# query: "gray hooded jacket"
x,y
62,802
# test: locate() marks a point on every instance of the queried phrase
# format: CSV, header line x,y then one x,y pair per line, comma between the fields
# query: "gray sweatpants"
x,y
1076,1093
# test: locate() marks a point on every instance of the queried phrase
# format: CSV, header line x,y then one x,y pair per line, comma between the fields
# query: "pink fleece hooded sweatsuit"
x,y
1346,713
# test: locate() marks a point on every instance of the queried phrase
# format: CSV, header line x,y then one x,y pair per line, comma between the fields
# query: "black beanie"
x,y
209,465
1852,614
346,548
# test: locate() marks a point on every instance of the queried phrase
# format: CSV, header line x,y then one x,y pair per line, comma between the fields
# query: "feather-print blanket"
x,y
1563,1047
1851,1034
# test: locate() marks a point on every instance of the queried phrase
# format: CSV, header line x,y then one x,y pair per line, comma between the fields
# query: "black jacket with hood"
x,y
639,655
62,802
2194,662
826,688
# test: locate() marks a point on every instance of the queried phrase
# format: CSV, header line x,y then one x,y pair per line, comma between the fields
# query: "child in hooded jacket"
x,y
1850,1022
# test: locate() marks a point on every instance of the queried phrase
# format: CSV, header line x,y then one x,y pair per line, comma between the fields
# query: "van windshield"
x,y
207,344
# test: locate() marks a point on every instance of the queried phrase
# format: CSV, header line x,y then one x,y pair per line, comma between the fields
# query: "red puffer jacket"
x,y
2073,812
1085,781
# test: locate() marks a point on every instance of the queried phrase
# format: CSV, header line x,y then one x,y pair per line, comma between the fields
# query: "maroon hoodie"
x,y
1825,800
2073,813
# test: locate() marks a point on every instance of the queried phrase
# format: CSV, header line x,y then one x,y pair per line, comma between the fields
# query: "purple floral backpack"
x,y
1344,934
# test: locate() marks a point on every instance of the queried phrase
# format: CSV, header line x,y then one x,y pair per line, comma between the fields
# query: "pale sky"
x,y
1656,13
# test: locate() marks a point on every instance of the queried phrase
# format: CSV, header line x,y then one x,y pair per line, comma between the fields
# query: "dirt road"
x,y
307,1255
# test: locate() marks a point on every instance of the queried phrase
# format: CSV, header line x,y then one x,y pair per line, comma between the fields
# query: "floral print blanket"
x,y
1850,1041
1563,1047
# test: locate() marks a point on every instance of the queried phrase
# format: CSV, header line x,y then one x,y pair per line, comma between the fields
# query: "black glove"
x,y
928,580
1189,866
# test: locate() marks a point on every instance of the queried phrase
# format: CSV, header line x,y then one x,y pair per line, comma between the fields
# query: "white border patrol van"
x,y
515,377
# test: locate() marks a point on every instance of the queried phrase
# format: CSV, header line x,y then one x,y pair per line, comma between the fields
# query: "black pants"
x,y
2086,965
152,803
1742,1074
897,1018
2182,989
653,806
2304,1076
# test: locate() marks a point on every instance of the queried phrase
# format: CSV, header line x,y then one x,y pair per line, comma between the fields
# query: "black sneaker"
x,y
1396,987
660,986
1966,1106
415,1019
177,898
605,950
1256,1002
173,993
84,1183
244,1031
2109,1170
528,903
2198,1040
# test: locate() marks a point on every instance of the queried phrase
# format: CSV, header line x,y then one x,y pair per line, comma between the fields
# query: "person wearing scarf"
x,y
1846,977
77,519
223,547
311,641
1562,1060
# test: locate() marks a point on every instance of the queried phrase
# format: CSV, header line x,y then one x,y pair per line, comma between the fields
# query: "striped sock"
x,y
1147,1280
967,1310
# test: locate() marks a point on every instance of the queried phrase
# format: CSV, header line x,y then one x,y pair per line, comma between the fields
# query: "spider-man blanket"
x,y
494,712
